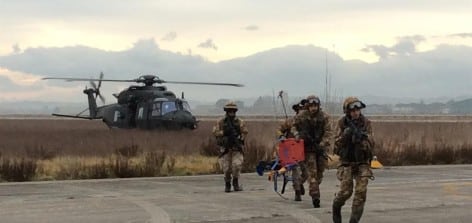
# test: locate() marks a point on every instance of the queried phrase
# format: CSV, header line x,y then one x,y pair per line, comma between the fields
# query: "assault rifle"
x,y
320,151
358,135
231,138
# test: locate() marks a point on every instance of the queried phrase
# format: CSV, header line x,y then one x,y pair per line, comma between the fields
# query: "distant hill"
x,y
461,107
297,69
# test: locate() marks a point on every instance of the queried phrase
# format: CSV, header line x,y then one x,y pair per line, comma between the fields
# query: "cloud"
x,y
169,36
251,28
209,44
462,35
16,48
19,78
405,46
380,50
299,70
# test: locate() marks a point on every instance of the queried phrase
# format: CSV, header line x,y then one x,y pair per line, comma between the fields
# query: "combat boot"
x,y
316,202
227,187
236,185
356,214
337,218
298,195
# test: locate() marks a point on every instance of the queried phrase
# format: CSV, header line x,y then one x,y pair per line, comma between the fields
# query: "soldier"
x,y
230,132
353,143
284,132
314,128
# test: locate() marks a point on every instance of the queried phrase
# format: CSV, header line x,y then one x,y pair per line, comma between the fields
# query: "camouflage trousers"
x,y
312,170
346,174
231,164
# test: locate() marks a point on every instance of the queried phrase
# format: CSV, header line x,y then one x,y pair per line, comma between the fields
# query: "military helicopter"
x,y
143,106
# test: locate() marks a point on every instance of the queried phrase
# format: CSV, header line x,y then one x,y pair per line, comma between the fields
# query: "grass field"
x,y
78,149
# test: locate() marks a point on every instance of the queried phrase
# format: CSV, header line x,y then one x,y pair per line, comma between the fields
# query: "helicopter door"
x,y
142,116
156,109
169,109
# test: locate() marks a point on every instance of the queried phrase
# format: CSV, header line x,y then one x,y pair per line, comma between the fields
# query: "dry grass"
x,y
78,149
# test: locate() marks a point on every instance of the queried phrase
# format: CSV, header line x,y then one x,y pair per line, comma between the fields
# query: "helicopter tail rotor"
x,y
96,88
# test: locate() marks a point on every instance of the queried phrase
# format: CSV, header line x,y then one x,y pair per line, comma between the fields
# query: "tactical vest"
x,y
359,152
231,141
311,130
235,123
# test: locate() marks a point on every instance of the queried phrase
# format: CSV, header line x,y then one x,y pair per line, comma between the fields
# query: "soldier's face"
x,y
355,113
231,113
313,108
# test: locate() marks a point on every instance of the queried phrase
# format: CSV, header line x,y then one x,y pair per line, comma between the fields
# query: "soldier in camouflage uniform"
x,y
353,144
314,128
230,132
284,132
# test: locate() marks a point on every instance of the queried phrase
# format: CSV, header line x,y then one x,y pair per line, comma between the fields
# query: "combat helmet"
x,y
312,100
352,103
299,106
296,107
230,106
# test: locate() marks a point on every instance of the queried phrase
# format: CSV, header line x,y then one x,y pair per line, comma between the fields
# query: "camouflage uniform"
x,y
315,130
230,133
283,132
355,155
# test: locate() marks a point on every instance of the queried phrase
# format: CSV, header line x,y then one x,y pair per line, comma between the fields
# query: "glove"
x,y
297,138
347,131
282,138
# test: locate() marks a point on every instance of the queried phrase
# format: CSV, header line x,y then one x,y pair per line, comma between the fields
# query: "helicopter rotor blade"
x,y
85,79
146,79
203,83
93,85
102,99
100,80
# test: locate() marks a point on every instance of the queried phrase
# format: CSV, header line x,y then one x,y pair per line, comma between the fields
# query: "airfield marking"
x,y
158,215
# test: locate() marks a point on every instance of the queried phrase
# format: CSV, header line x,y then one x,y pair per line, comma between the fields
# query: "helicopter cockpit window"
x,y
156,109
168,106
186,106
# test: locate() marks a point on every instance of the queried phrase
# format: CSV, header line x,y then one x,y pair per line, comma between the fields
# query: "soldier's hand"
x,y
347,131
282,138
297,138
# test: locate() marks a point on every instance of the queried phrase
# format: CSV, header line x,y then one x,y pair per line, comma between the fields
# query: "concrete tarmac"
x,y
398,194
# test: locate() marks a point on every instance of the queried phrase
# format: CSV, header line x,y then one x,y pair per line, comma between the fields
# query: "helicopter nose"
x,y
191,121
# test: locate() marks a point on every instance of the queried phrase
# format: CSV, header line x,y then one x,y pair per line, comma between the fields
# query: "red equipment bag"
x,y
291,151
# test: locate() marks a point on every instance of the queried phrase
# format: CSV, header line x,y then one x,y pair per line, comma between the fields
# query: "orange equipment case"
x,y
291,151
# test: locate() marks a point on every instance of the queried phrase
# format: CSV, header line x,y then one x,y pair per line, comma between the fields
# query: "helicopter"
x,y
144,106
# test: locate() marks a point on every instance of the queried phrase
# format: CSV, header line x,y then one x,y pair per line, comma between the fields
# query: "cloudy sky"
x,y
410,48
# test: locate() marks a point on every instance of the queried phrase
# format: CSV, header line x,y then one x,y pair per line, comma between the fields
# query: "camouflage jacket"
x,y
285,128
355,144
230,133
314,129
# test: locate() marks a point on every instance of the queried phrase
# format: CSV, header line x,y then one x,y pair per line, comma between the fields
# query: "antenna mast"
x,y
326,79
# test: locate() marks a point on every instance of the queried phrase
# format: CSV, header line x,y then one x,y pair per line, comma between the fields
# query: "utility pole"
x,y
326,79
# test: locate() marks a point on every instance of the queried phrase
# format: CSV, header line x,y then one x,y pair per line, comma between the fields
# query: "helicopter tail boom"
x,y
75,116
